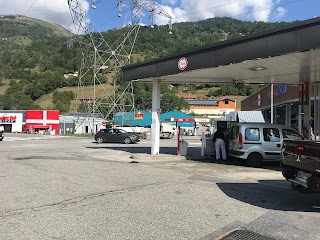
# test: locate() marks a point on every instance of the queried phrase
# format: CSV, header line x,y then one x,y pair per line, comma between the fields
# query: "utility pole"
x,y
235,109
271,104
94,90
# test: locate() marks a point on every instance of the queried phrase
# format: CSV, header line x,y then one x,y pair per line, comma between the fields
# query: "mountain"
x,y
158,42
35,54
20,30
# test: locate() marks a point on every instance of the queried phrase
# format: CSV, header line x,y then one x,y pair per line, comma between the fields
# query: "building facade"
x,y
12,120
291,106
42,120
35,121
212,107
81,123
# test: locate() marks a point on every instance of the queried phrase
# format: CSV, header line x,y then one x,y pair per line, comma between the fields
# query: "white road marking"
x,y
12,139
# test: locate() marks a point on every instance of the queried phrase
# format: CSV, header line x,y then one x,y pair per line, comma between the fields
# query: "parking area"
x,y
56,187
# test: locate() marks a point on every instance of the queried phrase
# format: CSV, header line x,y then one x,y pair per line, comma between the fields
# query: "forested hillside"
x,y
35,54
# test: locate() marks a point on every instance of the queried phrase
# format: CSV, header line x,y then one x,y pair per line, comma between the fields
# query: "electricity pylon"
x,y
224,35
102,60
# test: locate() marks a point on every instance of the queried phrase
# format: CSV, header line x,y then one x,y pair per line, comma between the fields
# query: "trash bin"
x,y
183,148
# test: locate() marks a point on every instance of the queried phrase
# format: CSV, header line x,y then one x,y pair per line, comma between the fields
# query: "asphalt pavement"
x,y
56,187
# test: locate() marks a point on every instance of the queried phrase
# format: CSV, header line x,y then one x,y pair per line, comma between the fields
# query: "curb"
x,y
160,157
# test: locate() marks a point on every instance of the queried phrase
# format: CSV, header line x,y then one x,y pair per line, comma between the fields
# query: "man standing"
x,y
219,141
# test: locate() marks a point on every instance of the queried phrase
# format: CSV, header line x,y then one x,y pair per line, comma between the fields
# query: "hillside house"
x,y
211,107
71,74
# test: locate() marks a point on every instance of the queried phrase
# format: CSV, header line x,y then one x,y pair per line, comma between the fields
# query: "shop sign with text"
x,y
138,115
278,91
8,119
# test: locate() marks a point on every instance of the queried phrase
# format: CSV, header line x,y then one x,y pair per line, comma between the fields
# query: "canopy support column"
x,y
155,143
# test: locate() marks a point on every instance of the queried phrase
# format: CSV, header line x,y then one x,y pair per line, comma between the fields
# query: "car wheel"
x,y
127,140
100,140
254,160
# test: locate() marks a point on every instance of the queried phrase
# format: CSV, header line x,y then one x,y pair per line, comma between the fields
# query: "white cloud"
x,y
281,12
172,12
192,10
56,11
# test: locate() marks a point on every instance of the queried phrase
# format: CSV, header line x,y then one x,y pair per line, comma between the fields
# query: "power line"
x,y
115,16
30,7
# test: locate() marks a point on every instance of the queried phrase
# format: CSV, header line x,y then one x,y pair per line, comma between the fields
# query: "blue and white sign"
x,y
278,91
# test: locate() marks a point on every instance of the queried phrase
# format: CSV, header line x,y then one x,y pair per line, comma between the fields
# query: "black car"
x,y
301,163
116,136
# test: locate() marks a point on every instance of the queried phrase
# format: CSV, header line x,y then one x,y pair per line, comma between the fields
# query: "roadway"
x,y
55,187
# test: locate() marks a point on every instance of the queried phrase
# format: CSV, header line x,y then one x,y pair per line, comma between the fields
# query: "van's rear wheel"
x,y
254,160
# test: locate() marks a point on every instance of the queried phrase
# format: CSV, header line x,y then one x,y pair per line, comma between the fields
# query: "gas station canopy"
x,y
289,54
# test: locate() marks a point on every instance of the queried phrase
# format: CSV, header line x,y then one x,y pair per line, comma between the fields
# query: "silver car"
x,y
258,142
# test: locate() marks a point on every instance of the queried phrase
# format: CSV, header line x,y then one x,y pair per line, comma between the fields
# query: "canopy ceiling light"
x,y
260,68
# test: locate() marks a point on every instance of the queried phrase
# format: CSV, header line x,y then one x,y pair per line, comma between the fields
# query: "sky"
x,y
105,15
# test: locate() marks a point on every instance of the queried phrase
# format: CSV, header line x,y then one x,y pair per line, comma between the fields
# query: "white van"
x,y
258,142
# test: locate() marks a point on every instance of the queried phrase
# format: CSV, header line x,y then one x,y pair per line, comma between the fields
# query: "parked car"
x,y
116,136
301,164
258,142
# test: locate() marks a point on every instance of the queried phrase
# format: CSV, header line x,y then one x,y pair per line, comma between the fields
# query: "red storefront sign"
x,y
138,115
8,119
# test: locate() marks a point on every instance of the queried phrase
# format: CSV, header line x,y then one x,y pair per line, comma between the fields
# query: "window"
x,y
271,135
122,131
289,134
252,134
119,131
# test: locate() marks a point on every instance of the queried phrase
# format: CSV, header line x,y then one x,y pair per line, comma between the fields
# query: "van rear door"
x,y
233,138
271,144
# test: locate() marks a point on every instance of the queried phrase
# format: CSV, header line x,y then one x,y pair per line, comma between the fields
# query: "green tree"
x,y
170,102
210,93
61,100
